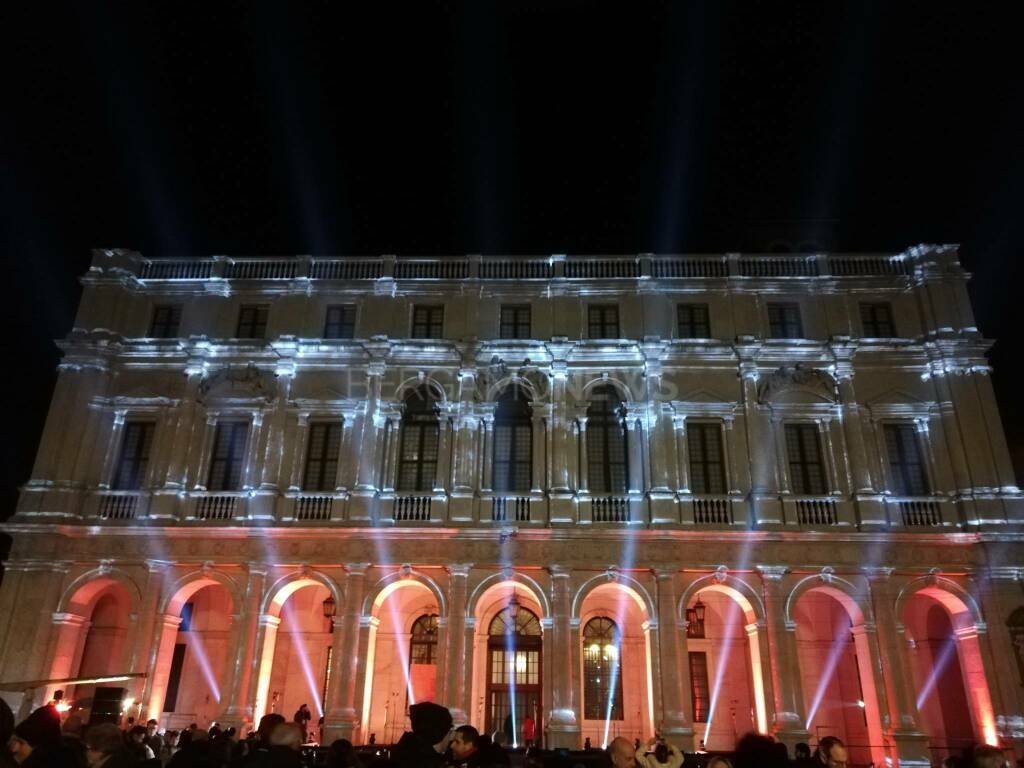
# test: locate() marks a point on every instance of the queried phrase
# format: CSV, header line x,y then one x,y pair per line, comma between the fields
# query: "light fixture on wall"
x,y
330,608
513,605
699,610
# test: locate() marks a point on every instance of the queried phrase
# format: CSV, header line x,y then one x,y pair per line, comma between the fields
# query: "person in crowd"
x,y
802,755
36,740
622,753
425,745
185,737
286,746
529,730
343,755
987,756
105,747
465,747
719,762
658,753
197,754
258,755
71,736
6,729
831,752
153,738
509,729
302,718
137,746
755,750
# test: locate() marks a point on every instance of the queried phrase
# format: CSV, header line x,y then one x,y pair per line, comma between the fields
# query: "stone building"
x,y
616,495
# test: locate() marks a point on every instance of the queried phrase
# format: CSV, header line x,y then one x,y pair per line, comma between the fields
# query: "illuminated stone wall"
x,y
758,551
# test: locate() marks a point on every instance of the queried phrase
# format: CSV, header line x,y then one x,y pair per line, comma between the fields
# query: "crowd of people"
x,y
44,740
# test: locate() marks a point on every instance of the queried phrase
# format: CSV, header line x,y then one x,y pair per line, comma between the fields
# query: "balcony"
x,y
916,512
118,505
223,506
418,509
510,509
816,511
315,507
611,510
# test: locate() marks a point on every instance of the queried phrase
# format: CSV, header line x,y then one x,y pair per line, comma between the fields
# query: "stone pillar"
x,y
141,633
266,644
563,723
299,448
765,506
199,469
159,671
635,450
560,441
456,690
342,720
347,456
675,675
270,476
1000,593
682,452
789,726
243,660
487,457
853,430
250,472
903,718
662,450
361,505
583,483
113,444
390,473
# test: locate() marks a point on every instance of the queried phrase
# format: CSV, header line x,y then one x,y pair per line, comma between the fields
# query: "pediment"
x,y
895,397
703,396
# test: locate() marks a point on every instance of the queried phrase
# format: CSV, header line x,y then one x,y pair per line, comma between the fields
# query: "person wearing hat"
x,y
36,740
426,744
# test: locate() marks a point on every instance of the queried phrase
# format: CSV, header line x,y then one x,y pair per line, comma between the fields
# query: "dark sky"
x,y
435,127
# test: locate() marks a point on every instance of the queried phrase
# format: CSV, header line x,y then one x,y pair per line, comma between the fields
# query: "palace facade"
x,y
698,495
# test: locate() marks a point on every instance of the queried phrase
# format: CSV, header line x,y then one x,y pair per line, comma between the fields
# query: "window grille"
x,y
784,321
322,456
427,322
340,322
707,466
136,443
876,320
607,462
418,449
165,322
806,469
515,321
602,669
693,321
228,458
603,321
904,449
252,321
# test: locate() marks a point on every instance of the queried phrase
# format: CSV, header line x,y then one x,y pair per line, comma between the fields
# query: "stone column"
x,y
662,450
560,441
139,637
635,452
789,726
299,448
1000,593
487,457
266,644
347,456
853,430
675,675
250,472
564,722
903,717
363,495
390,473
113,444
342,720
765,505
682,452
243,660
166,636
456,691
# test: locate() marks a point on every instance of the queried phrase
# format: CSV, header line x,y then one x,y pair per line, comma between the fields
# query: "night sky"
x,y
550,127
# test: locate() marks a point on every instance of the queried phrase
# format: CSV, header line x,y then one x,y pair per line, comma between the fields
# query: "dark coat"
x,y
413,752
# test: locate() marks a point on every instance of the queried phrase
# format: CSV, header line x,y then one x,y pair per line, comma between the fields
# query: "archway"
x,y
401,660
194,673
949,679
616,694
727,695
91,639
509,681
835,669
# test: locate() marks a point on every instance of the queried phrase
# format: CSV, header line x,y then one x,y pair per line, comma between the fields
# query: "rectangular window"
x,y
322,457
515,321
693,321
228,458
427,322
252,321
135,448
876,319
417,460
707,466
806,469
904,449
513,456
701,691
603,321
340,322
784,321
165,322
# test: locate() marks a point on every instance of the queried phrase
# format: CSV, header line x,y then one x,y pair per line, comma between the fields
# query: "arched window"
x,y
607,465
423,643
417,458
602,670
513,441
